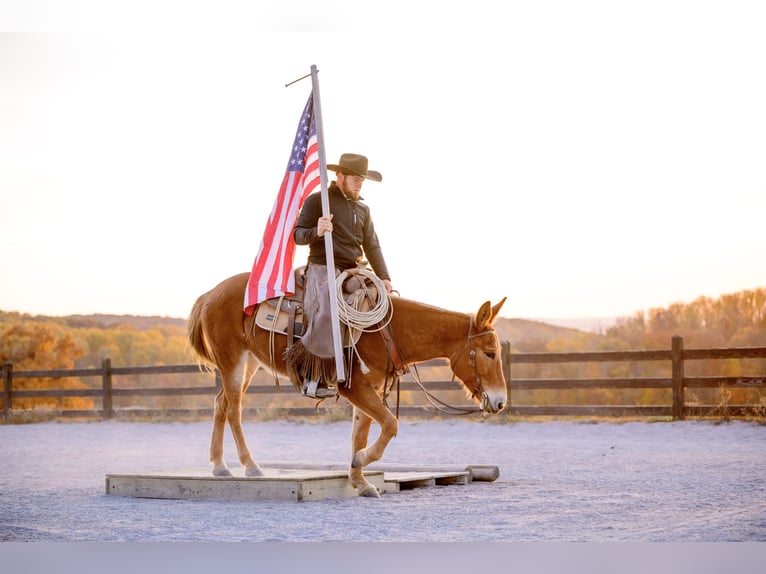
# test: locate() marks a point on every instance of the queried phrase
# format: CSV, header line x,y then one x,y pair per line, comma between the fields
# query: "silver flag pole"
x,y
335,320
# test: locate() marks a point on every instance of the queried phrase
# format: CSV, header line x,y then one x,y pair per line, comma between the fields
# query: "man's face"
x,y
350,185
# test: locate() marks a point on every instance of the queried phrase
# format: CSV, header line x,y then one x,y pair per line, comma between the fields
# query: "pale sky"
x,y
584,159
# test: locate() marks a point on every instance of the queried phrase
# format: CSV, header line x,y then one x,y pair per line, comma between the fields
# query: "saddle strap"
x,y
400,368
291,326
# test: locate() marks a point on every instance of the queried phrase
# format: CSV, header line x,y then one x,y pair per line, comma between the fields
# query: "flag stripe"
x,y
272,272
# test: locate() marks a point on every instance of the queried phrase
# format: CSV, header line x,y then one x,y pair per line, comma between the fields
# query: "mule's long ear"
x,y
496,308
487,314
483,318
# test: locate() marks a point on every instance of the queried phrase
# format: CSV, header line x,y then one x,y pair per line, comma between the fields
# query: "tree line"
x,y
36,342
47,343
732,320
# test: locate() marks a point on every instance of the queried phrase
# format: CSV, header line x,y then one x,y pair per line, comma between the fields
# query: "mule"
x,y
225,338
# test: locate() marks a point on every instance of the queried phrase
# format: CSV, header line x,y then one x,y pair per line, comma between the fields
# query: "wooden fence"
x,y
678,383
677,357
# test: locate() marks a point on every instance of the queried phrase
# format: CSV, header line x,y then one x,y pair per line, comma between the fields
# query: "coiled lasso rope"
x,y
350,314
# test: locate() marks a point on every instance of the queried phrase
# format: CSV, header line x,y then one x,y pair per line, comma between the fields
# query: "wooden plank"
x,y
716,382
418,479
39,393
590,356
277,484
398,481
475,472
573,384
451,478
726,353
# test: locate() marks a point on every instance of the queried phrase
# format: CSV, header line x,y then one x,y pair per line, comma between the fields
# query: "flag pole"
x,y
335,319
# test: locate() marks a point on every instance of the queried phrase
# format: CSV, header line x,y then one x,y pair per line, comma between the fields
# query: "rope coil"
x,y
350,314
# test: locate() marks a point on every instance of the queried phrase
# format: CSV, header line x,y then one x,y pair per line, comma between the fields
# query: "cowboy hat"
x,y
355,164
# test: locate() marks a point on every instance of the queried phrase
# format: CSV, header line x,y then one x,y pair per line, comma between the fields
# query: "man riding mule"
x,y
236,342
227,339
353,238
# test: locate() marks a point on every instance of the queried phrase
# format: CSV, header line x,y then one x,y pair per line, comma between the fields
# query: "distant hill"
x,y
587,324
101,321
531,336
524,334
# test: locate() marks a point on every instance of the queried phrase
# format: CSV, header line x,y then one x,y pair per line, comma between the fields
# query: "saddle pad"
x,y
268,311
271,315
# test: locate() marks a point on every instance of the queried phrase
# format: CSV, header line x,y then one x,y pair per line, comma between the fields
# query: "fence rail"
x,y
678,383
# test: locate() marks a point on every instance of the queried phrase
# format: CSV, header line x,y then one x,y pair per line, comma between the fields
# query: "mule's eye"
x,y
490,355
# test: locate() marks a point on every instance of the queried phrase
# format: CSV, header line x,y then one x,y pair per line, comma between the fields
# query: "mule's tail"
x,y
196,336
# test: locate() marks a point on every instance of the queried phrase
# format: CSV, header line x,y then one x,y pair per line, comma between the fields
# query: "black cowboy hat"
x,y
355,164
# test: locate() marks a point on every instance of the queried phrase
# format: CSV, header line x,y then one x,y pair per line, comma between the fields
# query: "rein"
x,y
440,405
469,341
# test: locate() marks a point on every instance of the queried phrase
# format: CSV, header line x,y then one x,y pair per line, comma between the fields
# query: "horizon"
x,y
587,324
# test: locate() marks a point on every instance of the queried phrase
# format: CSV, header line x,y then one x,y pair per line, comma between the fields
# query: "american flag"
x,y
272,273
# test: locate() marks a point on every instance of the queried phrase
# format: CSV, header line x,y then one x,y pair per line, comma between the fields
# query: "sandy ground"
x,y
688,481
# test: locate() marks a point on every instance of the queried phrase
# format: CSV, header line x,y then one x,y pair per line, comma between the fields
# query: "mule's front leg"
x,y
359,433
228,407
370,406
388,429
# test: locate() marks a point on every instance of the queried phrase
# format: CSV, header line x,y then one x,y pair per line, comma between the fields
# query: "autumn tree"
x,y
34,345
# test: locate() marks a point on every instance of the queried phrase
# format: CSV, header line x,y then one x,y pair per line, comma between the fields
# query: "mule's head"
x,y
478,361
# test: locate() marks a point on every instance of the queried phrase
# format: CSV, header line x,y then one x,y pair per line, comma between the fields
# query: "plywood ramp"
x,y
299,483
475,472
277,484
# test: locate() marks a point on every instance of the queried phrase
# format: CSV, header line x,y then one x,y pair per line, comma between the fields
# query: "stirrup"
x,y
313,390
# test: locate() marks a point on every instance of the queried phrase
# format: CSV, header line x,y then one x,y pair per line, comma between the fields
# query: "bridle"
x,y
478,390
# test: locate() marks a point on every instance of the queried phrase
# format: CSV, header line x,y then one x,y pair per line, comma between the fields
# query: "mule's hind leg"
x,y
228,407
359,433
216,441
237,386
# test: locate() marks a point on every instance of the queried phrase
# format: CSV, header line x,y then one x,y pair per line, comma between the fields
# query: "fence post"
x,y
106,386
677,358
505,354
7,383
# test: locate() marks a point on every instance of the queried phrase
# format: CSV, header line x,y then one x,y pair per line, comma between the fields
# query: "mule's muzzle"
x,y
493,404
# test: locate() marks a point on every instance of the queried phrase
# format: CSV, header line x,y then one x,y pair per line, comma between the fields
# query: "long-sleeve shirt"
x,y
353,235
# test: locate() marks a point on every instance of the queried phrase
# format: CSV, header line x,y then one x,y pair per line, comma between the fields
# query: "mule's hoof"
x,y
369,491
221,471
254,471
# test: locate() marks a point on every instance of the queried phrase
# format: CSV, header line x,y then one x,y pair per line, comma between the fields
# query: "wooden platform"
x,y
277,484
287,482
